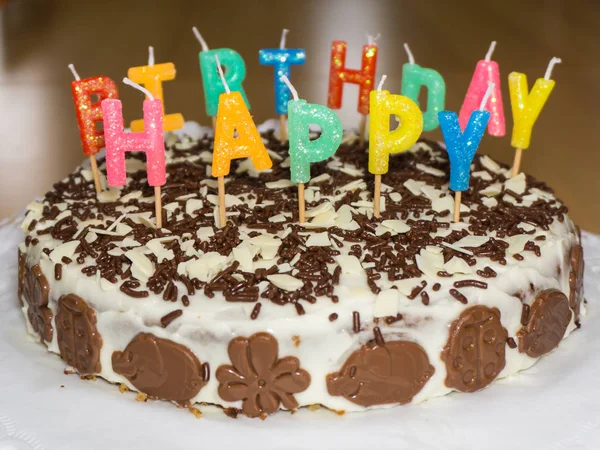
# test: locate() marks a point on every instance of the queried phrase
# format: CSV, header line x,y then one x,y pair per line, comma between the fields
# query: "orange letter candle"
x,y
233,116
152,76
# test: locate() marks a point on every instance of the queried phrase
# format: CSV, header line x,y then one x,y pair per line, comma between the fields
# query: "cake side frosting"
x,y
345,311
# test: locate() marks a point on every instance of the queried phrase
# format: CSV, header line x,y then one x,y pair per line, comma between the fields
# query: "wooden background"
x,y
38,134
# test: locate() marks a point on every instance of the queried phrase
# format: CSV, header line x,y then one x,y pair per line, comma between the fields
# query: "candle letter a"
x,y
234,116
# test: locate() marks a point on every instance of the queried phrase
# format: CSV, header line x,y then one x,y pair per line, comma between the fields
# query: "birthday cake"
x,y
346,310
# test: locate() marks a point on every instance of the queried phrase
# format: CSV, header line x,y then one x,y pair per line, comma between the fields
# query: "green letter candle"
x,y
415,76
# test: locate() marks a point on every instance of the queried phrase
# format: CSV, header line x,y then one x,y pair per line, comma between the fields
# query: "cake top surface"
x,y
264,256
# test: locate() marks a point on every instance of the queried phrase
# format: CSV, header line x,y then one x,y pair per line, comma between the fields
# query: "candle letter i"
x,y
365,78
214,84
88,114
486,72
413,77
233,116
152,76
282,58
303,151
382,141
526,108
150,141
461,146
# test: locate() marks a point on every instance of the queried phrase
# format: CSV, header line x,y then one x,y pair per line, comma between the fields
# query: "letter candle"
x,y
151,141
88,113
213,83
282,58
461,146
152,76
486,71
302,150
232,116
413,78
382,141
526,108
364,77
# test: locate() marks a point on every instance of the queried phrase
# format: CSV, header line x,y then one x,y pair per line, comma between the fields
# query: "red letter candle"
x,y
364,77
88,113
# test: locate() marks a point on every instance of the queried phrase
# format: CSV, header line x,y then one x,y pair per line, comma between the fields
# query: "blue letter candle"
x,y
462,146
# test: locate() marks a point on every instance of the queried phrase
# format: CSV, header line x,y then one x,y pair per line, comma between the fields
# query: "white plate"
x,y
554,405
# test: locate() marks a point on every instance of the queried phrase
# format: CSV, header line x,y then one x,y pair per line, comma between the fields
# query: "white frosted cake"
x,y
345,311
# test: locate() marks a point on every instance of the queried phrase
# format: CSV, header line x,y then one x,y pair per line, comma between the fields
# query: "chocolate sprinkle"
x,y
471,283
255,311
458,296
58,271
378,336
333,317
525,314
166,320
511,343
356,321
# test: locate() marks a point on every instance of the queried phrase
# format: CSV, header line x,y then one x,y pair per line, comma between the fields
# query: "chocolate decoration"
x,y
160,368
382,374
78,339
35,290
21,275
576,279
475,351
259,378
549,317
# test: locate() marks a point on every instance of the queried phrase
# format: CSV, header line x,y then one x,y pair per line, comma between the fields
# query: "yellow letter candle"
x,y
152,76
233,116
526,107
382,141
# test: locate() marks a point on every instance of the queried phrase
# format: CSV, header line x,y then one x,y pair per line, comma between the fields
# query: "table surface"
x,y
40,141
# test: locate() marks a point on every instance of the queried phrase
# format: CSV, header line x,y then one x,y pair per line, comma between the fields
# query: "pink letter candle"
x,y
486,72
118,142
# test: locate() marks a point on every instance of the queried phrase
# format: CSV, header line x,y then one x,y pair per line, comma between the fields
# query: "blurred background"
x,y
39,140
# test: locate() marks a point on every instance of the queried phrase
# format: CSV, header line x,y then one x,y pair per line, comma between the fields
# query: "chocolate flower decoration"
x,y
35,290
259,378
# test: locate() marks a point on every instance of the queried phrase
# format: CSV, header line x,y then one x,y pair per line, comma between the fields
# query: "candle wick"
x,y
551,65
74,72
150,56
372,40
380,85
488,55
411,58
220,70
283,36
200,39
486,96
286,80
139,88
